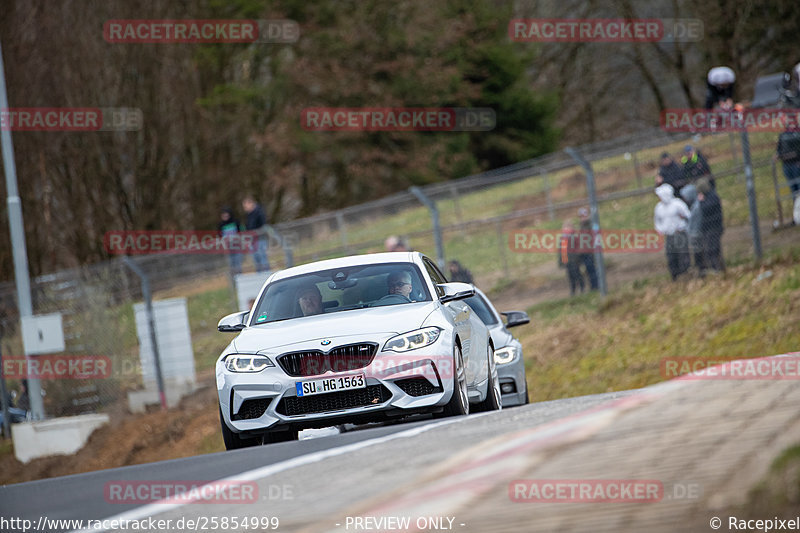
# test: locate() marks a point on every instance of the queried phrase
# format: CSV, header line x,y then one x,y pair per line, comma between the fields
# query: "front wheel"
x,y
232,439
459,401
494,397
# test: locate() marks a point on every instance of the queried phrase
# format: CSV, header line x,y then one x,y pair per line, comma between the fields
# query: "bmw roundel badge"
x,y
326,342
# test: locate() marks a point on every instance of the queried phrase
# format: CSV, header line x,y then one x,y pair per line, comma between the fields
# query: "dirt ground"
x,y
189,429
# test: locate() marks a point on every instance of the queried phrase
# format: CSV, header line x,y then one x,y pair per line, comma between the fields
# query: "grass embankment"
x,y
587,345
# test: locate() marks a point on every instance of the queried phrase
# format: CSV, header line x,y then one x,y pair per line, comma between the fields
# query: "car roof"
x,y
351,260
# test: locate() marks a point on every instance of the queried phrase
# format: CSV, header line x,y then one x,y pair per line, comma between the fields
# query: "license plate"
x,y
325,385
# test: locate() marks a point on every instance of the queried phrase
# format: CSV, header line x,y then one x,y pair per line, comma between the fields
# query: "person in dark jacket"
x,y
228,228
695,166
458,272
788,152
569,258
712,225
254,222
670,172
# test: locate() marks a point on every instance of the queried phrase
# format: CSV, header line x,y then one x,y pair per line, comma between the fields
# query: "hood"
x,y
375,322
665,192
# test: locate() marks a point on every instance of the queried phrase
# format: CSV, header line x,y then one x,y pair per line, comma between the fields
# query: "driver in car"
x,y
310,300
400,283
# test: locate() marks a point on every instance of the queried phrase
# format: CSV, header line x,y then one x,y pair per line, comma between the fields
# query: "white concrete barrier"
x,y
58,436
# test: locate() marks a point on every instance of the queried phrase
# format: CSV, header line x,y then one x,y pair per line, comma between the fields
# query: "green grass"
x,y
205,310
588,345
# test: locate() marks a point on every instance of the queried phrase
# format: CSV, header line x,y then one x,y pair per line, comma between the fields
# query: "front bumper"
x,y
512,375
396,385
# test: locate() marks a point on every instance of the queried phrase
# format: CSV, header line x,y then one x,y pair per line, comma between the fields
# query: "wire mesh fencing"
x,y
506,227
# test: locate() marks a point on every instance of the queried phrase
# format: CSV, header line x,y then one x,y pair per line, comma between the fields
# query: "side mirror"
x,y
233,322
516,318
456,291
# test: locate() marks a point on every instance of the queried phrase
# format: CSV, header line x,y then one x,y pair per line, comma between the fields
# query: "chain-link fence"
x,y
481,218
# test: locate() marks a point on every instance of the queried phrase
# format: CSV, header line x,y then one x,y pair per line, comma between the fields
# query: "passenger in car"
x,y
310,300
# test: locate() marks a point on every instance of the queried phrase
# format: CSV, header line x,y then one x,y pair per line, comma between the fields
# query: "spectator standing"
x,y
788,152
229,228
23,400
711,208
567,258
459,272
586,258
671,219
695,228
695,166
254,222
670,172
393,243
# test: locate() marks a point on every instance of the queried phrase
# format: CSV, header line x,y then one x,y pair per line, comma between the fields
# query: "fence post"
x,y
551,214
732,138
590,186
456,202
751,195
285,244
151,324
637,170
4,398
342,229
777,193
502,243
437,229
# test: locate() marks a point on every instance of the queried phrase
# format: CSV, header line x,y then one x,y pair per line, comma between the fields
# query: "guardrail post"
x,y
4,397
437,228
551,213
342,229
283,240
751,195
590,187
502,243
151,324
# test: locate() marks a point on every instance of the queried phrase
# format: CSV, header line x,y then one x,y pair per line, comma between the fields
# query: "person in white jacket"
x,y
671,219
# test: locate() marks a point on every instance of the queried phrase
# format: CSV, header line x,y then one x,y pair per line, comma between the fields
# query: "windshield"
x,y
342,289
481,308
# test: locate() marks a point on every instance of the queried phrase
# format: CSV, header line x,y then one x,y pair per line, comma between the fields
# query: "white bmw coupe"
x,y
353,340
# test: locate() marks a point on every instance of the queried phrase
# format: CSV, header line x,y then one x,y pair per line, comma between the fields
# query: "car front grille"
x,y
340,359
251,409
333,401
417,386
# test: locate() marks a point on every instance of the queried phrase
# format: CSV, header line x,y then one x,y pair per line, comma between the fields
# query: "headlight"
x,y
412,340
247,363
505,355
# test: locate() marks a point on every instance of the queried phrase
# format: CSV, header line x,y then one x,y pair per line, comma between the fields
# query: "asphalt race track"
x,y
82,496
678,456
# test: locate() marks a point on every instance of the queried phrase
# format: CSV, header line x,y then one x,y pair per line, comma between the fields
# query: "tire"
x,y
459,401
232,440
494,398
527,398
